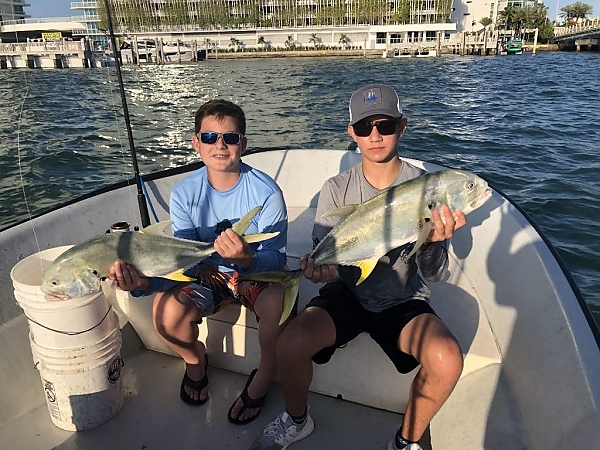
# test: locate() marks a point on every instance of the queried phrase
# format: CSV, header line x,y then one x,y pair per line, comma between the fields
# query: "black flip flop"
x,y
248,403
195,385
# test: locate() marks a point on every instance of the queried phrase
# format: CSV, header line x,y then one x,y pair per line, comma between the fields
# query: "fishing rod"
x,y
138,179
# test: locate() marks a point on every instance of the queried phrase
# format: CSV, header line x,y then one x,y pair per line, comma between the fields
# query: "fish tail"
x,y
259,237
242,225
291,283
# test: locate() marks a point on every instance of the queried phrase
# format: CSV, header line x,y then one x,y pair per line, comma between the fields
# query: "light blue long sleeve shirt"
x,y
200,212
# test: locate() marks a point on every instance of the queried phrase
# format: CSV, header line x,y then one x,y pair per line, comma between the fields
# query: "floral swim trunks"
x,y
213,290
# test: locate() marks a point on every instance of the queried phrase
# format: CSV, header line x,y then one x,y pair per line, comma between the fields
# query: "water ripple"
x,y
527,124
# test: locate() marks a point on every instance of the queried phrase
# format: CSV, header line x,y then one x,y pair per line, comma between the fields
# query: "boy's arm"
x,y
322,225
328,201
432,258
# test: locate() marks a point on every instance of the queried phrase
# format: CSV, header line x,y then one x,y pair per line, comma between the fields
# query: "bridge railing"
x,y
577,29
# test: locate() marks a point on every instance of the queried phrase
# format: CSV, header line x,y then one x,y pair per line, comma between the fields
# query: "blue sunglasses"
x,y
210,137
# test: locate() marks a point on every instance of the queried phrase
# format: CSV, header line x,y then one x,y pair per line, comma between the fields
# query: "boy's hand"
x,y
317,274
444,229
127,276
234,249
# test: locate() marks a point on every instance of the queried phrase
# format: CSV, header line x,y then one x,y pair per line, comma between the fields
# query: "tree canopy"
x,y
577,10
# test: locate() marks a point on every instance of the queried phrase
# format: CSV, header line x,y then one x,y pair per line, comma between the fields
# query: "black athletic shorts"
x,y
351,319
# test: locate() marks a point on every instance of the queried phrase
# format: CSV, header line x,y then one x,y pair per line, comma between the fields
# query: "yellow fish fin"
x,y
291,283
259,237
178,276
242,225
366,267
342,212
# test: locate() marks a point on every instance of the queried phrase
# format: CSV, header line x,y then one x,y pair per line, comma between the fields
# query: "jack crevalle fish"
x,y
397,216
79,270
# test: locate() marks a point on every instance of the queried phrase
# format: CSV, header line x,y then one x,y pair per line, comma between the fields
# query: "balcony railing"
x,y
43,20
79,5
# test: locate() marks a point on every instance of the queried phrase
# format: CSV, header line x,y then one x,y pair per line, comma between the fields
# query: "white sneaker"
x,y
279,434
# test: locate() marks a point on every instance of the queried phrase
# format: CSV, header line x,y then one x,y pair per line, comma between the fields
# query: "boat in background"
x,y
404,53
530,344
148,52
425,53
514,47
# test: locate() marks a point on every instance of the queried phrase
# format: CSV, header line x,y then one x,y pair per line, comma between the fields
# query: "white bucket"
x,y
83,384
59,324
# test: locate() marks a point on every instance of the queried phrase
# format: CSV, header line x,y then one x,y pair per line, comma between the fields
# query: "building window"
x,y
381,38
396,39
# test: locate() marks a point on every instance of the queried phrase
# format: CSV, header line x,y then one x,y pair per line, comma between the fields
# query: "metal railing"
x,y
32,47
577,29
90,4
43,20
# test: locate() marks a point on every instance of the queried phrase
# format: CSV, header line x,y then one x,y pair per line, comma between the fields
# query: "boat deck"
x,y
153,417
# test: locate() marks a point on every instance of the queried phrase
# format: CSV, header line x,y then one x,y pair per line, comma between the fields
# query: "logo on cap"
x,y
371,97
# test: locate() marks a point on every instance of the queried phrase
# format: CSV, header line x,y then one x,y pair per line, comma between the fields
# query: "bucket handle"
x,y
70,333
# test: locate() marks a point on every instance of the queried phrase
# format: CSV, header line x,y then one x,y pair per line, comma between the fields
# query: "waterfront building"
x,y
371,24
13,10
91,19
23,30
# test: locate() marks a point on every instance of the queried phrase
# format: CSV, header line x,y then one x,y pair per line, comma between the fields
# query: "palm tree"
x,y
234,42
344,40
290,43
261,41
486,22
509,16
314,39
577,10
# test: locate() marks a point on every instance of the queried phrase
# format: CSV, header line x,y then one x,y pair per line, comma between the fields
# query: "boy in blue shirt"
x,y
203,207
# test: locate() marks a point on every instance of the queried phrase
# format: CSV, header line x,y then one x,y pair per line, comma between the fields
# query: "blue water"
x,y
528,124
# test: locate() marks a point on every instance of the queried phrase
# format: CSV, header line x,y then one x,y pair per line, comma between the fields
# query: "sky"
x,y
51,8
62,8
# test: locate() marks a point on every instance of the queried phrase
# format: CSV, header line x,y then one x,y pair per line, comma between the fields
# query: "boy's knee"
x,y
444,358
269,305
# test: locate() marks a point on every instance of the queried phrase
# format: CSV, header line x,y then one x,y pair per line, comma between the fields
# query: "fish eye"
x,y
95,272
470,185
54,283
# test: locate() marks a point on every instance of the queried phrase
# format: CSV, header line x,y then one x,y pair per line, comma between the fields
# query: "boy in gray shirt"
x,y
391,304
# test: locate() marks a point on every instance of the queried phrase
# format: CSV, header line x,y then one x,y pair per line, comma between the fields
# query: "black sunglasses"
x,y
210,137
384,127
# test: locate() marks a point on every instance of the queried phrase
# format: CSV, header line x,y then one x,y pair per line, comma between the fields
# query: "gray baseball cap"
x,y
372,100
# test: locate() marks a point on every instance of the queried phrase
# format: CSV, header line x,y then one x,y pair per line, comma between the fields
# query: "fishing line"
x,y
115,108
21,167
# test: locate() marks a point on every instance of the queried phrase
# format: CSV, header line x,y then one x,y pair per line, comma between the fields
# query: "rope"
x,y
70,333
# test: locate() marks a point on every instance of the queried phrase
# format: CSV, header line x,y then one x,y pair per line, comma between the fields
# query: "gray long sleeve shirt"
x,y
392,281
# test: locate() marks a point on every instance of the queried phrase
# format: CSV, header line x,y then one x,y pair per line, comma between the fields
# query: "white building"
x,y
371,24
91,19
13,10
